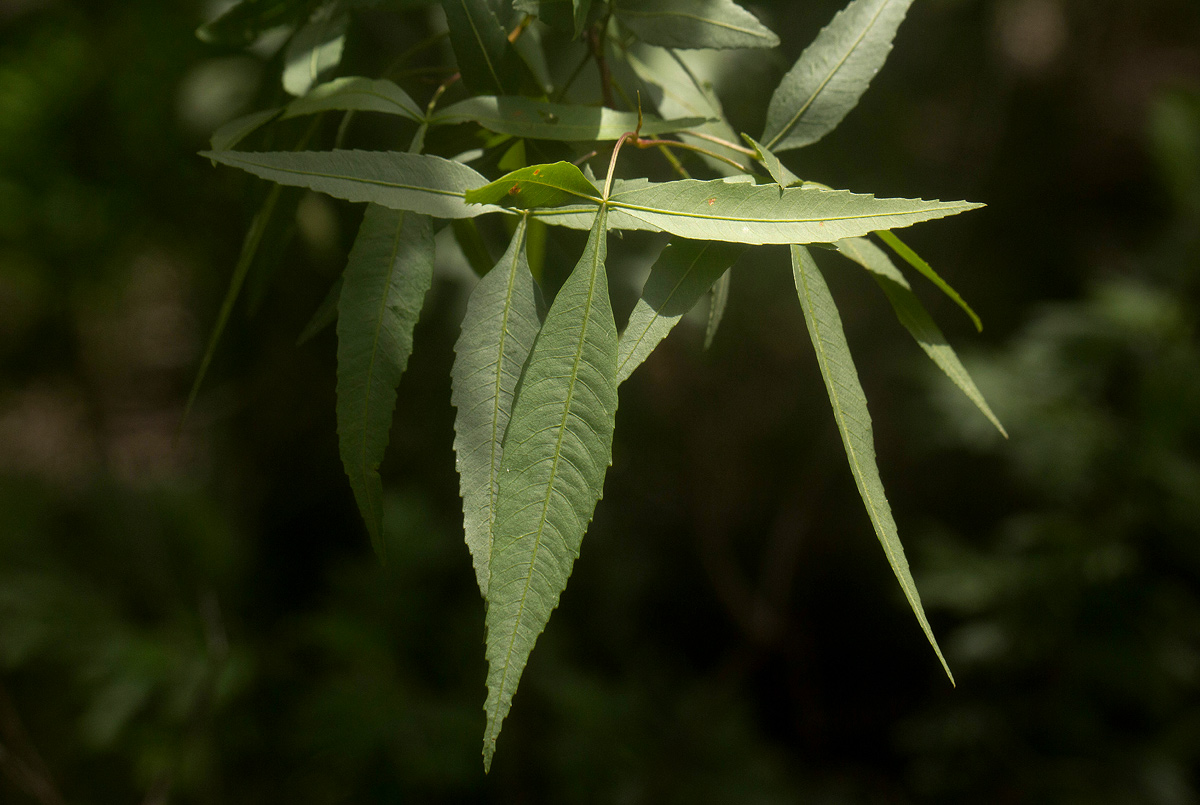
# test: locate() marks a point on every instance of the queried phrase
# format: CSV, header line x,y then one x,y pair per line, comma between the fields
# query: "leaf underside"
x,y
387,275
689,24
854,422
716,307
556,452
314,51
914,260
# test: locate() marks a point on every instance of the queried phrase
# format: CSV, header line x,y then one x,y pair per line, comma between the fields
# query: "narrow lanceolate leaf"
x,y
392,179
237,130
694,24
498,330
684,272
355,94
541,120
916,319
914,260
778,171
550,185
832,73
387,276
746,213
581,8
854,421
488,64
556,453
314,50
323,316
716,308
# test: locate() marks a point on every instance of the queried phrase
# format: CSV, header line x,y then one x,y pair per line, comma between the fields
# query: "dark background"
x,y
205,622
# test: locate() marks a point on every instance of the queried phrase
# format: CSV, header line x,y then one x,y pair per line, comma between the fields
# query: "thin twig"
x,y
612,163
719,141
642,143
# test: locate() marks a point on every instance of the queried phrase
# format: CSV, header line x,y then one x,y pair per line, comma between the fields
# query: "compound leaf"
x,y
498,331
832,73
556,453
682,274
389,271
854,422
694,24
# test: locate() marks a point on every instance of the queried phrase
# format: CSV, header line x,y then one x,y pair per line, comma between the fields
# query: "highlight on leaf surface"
x,y
689,24
551,185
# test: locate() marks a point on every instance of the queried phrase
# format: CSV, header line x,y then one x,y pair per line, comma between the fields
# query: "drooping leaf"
x,y
682,274
854,422
914,260
537,186
778,171
694,24
488,64
387,275
498,330
323,316
243,23
581,8
556,453
357,94
541,120
399,181
237,130
315,50
740,212
716,307
916,319
832,73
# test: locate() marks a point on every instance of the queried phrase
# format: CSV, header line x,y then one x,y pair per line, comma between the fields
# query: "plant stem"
x,y
641,143
612,163
741,149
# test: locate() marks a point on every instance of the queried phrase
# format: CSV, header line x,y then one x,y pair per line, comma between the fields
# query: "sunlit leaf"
x,y
778,171
499,327
541,120
387,275
914,260
684,272
854,422
556,453
694,24
314,50
536,186
832,73
354,93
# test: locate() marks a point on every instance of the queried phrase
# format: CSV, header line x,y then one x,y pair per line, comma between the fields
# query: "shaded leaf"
x,y
314,50
541,120
558,14
854,422
233,132
498,331
832,74
246,21
387,275
354,93
556,453
716,307
914,260
323,316
683,273
488,64
537,186
467,236
694,24
916,319
581,8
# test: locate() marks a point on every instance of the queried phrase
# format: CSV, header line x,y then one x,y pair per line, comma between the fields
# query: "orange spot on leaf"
x,y
512,191
712,201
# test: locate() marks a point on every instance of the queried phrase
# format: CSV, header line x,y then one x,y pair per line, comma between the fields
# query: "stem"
x,y
741,149
515,34
640,143
612,163
437,93
596,39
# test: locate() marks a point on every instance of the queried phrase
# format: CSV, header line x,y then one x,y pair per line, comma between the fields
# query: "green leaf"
x,y
314,50
488,64
467,236
237,130
694,24
558,14
541,120
498,331
914,260
778,171
389,271
392,179
916,319
746,213
854,422
537,186
246,21
323,316
716,307
682,274
581,7
556,453
832,73
357,94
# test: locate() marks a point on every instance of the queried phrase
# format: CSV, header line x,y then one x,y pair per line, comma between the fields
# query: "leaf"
x,y
694,24
246,21
682,274
778,171
314,50
747,213
389,271
716,308
581,8
354,93
233,132
914,260
556,453
832,73
498,331
854,422
541,120
916,319
537,186
325,314
488,64
392,179
467,236
558,14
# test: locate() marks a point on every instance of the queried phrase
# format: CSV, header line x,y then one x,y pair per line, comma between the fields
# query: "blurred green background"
x,y
205,622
